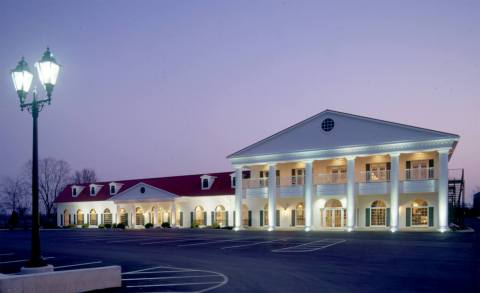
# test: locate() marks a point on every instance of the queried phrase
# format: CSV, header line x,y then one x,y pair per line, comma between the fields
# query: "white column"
x,y
350,193
308,194
238,197
173,216
443,190
133,216
394,172
155,217
272,193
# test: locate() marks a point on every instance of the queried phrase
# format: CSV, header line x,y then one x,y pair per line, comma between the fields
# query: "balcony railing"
x,y
331,178
419,174
281,181
375,176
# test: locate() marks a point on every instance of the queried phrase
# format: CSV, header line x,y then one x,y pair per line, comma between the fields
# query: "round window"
x,y
328,124
142,189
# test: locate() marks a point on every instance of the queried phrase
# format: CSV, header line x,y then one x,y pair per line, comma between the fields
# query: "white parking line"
x,y
212,242
22,260
173,284
252,244
143,238
6,254
171,277
173,241
148,269
310,246
78,265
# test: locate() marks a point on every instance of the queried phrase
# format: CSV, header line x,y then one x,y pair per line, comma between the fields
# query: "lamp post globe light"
x,y
48,70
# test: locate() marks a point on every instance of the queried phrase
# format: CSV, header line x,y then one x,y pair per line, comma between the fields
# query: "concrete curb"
x,y
80,280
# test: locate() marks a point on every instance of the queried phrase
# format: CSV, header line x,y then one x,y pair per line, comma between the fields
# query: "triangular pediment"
x,y
143,192
348,131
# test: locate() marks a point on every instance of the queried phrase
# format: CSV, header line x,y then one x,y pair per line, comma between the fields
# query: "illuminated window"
x,y
220,216
245,215
93,217
419,213
300,215
378,213
139,217
107,217
199,216
123,217
265,215
79,217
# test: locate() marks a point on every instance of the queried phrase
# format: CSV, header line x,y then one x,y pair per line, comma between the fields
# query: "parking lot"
x,y
201,260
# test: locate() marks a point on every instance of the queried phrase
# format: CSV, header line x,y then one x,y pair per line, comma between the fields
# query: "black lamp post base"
x,y
36,270
36,263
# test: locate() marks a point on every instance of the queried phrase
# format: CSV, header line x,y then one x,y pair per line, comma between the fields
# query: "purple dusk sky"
x,y
157,88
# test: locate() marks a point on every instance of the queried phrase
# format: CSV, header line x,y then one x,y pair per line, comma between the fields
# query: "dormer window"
x,y
233,180
94,189
76,190
206,181
112,189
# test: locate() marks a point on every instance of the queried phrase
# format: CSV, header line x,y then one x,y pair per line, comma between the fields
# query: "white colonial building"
x,y
332,171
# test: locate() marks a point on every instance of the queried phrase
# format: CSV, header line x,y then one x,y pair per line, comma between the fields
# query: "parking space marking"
x,y
212,242
22,260
6,254
311,246
253,244
176,240
78,265
207,284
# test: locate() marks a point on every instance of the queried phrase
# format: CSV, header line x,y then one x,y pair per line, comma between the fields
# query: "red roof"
x,y
187,185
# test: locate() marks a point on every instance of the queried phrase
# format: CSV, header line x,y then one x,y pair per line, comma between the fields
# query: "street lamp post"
x,y
48,70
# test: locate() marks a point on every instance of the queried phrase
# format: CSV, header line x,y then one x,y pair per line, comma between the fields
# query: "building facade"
x,y
333,171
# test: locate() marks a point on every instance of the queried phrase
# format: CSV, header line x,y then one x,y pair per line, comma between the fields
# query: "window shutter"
x,y
367,217
213,218
367,173
101,219
192,219
126,219
389,166
61,220
250,218
181,219
205,218
261,218
234,218
408,166
277,218
88,218
74,219
293,217
69,219
430,216
408,212
226,218
388,217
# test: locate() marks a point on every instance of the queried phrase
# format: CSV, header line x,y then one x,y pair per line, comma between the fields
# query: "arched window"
x,y
66,218
419,213
139,217
199,216
265,215
107,217
300,214
378,213
333,203
93,217
220,217
79,217
245,215
123,217
334,215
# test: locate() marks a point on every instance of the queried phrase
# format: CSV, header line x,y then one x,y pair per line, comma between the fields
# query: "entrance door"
x,y
334,217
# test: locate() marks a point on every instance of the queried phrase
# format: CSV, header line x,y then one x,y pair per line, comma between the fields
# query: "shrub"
x,y
13,220
101,226
114,226
215,226
148,225
166,225
71,226
121,226
85,225
227,227
108,226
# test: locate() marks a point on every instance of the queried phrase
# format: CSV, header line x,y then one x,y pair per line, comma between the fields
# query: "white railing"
x,y
331,178
255,182
294,180
281,181
375,176
419,174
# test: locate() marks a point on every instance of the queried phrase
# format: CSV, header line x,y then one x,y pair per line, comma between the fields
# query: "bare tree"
x,y
84,176
13,194
53,177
